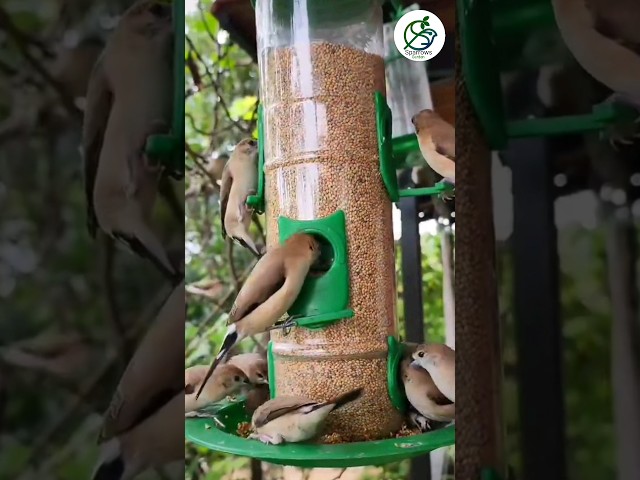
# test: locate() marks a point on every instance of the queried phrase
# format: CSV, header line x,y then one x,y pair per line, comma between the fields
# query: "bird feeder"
x,y
168,150
326,169
488,28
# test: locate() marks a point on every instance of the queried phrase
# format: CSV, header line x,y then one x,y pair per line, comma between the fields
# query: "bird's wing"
x,y
437,397
265,279
225,189
96,115
444,140
279,407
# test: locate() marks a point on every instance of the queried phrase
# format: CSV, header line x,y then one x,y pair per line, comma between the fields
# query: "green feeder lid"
x,y
207,433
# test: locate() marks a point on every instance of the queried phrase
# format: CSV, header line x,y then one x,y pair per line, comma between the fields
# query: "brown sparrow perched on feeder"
x,y
295,419
423,395
440,361
129,98
226,380
271,288
605,40
239,181
437,141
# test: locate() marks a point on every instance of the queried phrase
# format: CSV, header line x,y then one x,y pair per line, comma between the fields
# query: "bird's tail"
x,y
246,241
111,465
229,341
345,398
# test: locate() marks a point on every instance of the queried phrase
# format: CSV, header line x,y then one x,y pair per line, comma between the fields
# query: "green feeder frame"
x,y
257,201
207,433
168,150
323,300
483,24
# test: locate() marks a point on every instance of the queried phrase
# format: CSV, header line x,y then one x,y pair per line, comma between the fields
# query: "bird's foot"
x,y
449,194
287,324
624,132
267,439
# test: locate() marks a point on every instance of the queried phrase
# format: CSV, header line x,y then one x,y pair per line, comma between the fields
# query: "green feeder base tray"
x,y
207,433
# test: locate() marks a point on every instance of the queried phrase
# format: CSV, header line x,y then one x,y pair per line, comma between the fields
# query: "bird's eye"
x,y
421,354
236,378
253,143
260,375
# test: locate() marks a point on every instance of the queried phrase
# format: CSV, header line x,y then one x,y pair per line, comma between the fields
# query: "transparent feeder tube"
x,y
408,89
320,66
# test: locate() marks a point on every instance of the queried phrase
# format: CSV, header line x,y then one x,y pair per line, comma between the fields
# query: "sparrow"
x,y
440,361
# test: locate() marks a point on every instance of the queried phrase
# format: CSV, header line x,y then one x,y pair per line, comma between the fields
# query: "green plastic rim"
x,y
168,150
396,389
481,69
271,366
207,433
385,149
323,300
257,201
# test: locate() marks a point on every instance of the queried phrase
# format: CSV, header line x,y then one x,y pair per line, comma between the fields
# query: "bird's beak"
x,y
414,364
264,381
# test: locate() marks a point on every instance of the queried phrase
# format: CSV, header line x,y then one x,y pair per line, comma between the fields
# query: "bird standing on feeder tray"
x,y
605,40
156,441
440,361
254,366
437,141
239,181
152,377
226,380
129,98
423,394
271,288
295,419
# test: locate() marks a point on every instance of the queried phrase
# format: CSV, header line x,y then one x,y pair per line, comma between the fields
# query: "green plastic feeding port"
x,y
220,434
396,389
391,149
257,201
168,150
324,297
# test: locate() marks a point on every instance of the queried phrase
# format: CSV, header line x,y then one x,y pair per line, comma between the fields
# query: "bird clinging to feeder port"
x,y
129,98
603,37
295,419
239,181
424,395
271,288
440,361
437,140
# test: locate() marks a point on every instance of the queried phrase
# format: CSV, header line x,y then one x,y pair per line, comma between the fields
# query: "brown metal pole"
x,y
479,427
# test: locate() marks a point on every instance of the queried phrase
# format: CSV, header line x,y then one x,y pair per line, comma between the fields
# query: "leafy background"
x,y
71,309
